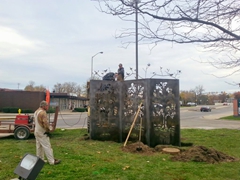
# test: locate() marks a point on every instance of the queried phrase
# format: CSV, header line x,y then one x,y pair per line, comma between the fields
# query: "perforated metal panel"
x,y
114,105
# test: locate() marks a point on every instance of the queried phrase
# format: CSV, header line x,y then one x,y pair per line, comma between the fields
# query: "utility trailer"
x,y
23,125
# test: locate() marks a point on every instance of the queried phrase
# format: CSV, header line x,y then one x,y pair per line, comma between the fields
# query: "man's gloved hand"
x,y
47,134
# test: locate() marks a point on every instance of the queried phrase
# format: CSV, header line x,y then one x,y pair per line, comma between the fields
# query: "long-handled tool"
x,y
135,118
139,148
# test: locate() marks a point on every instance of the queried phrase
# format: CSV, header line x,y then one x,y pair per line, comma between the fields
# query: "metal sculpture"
x,y
114,104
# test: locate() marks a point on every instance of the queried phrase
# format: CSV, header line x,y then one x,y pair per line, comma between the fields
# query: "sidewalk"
x,y
215,117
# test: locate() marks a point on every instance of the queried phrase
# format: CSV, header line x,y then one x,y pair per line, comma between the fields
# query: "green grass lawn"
x,y
88,159
237,118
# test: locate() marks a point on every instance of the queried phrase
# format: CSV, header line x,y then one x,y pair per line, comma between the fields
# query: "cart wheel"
x,y
21,133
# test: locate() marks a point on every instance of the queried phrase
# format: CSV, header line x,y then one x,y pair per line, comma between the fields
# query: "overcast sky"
x,y
53,41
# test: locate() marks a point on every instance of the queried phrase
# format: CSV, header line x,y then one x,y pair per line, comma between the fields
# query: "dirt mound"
x,y
194,153
203,154
138,147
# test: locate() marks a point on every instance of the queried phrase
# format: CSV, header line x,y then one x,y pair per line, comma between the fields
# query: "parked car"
x,y
205,109
191,104
225,103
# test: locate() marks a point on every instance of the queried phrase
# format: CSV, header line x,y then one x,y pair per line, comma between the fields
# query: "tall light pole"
x,y
92,63
136,24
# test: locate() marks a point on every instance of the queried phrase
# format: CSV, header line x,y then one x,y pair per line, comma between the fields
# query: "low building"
x,y
67,101
31,99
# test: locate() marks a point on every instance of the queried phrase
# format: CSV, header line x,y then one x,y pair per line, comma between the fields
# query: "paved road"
x,y
193,118
190,118
72,120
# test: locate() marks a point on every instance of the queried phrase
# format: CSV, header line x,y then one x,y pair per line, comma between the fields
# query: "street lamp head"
x,y
97,54
92,62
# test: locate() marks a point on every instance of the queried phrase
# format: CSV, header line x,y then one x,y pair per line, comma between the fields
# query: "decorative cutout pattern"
x,y
114,106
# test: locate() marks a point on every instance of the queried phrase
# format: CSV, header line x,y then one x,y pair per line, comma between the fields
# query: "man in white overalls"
x,y
41,133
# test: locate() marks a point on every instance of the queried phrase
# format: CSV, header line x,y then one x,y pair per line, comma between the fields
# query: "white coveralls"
x,y
43,144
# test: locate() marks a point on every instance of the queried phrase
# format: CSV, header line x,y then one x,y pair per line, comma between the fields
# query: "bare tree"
x,y
236,95
58,88
187,96
199,90
85,88
223,96
68,87
31,87
40,88
212,23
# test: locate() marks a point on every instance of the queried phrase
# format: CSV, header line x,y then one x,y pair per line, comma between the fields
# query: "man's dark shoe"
x,y
57,161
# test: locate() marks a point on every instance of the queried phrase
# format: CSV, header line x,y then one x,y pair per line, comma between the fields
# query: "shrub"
x,y
80,110
10,109
51,110
26,111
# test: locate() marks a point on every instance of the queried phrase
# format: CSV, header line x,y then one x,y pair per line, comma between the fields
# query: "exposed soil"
x,y
203,154
138,147
194,153
188,152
